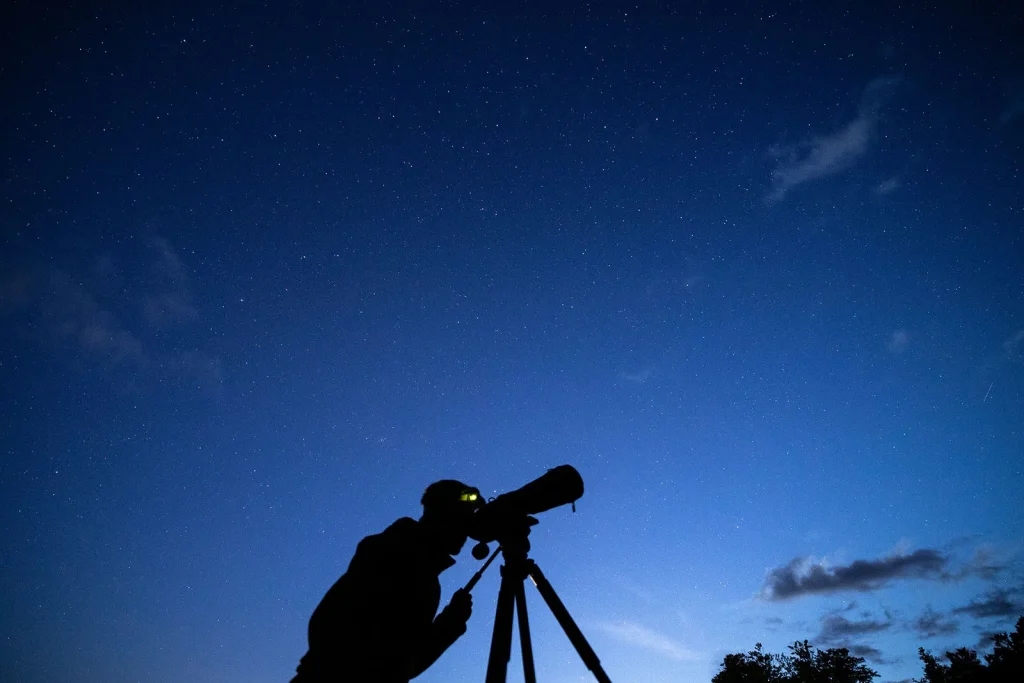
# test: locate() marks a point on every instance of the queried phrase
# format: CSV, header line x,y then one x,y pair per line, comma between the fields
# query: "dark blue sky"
x,y
268,271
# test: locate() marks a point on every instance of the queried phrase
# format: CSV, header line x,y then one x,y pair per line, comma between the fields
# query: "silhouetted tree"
x,y
934,672
755,666
804,664
835,665
1005,664
964,667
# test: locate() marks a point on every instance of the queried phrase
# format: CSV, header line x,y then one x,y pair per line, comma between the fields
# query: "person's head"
x,y
448,507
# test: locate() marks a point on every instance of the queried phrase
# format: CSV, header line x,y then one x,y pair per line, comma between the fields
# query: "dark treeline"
x,y
807,664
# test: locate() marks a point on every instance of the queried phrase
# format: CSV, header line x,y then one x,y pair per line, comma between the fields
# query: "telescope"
x,y
507,514
507,519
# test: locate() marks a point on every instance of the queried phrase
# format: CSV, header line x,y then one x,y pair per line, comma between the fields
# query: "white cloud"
x,y
638,377
830,154
888,186
898,341
1012,346
632,633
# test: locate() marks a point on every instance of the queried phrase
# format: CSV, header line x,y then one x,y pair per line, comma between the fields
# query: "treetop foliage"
x,y
807,664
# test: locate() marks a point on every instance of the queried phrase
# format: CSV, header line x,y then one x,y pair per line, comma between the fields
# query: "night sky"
x,y
266,271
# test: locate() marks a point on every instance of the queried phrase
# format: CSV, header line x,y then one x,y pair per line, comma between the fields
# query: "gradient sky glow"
x,y
268,270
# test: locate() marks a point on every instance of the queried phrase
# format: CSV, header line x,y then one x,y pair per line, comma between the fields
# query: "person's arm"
x,y
446,628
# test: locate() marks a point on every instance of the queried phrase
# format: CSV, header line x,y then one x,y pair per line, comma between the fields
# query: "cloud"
x,y
167,263
931,624
70,313
638,377
836,628
869,653
897,341
984,564
168,308
632,633
801,576
1000,602
837,631
888,186
985,640
171,301
1012,346
830,154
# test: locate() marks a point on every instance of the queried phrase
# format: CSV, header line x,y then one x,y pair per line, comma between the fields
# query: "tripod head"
x,y
513,542
513,548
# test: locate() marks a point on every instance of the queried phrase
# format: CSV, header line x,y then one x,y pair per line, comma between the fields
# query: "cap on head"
x,y
450,495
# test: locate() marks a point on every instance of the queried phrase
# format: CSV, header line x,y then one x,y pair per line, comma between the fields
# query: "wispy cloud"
x,y
803,576
1012,346
1000,602
825,155
170,301
632,633
836,628
72,315
638,377
897,341
839,631
888,186
985,640
985,564
872,654
931,624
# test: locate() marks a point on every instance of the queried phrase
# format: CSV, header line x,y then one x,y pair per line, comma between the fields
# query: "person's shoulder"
x,y
405,526
403,534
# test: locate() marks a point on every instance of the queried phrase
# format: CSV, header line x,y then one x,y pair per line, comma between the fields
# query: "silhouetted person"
x,y
377,622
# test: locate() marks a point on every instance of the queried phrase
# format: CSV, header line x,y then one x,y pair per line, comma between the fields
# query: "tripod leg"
x,y
586,652
529,673
501,638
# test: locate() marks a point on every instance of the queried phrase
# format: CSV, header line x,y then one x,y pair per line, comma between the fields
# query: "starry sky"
x,y
268,270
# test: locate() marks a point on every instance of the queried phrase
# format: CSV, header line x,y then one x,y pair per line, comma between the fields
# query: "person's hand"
x,y
452,619
460,607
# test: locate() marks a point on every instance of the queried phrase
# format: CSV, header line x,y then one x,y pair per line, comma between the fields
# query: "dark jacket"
x,y
377,623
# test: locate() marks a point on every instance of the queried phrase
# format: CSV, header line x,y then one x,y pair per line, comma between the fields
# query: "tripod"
x,y
514,571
